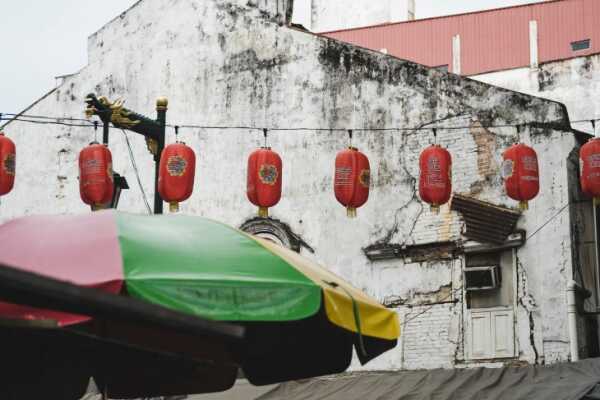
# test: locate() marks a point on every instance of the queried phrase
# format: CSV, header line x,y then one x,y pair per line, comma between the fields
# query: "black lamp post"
x,y
120,184
122,118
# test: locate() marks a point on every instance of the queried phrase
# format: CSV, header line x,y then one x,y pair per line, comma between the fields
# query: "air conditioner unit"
x,y
482,278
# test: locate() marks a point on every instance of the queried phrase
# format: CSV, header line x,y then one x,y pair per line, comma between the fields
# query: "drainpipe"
x,y
572,318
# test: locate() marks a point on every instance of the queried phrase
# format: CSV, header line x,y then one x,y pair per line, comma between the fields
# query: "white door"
x,y
490,334
481,339
503,334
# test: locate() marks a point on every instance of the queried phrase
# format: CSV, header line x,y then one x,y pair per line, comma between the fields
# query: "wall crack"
x,y
528,303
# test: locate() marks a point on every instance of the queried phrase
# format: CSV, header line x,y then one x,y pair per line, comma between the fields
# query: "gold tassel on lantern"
x,y
351,212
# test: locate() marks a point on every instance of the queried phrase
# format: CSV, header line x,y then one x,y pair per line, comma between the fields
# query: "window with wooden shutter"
x,y
490,334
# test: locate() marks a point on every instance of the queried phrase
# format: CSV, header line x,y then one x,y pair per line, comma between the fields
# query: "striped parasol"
x,y
300,319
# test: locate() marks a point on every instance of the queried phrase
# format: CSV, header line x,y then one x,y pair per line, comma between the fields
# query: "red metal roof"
x,y
491,40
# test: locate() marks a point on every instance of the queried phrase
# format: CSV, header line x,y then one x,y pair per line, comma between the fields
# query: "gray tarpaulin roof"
x,y
569,381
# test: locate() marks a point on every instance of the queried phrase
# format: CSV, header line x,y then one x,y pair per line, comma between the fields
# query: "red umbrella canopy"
x,y
300,320
80,249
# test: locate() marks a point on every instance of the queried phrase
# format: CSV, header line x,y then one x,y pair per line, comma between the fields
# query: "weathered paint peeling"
x,y
241,68
428,298
567,81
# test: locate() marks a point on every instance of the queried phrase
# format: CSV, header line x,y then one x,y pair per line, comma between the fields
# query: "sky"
x,y
45,39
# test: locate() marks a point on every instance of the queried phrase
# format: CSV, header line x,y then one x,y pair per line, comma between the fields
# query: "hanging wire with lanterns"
x,y
84,123
518,161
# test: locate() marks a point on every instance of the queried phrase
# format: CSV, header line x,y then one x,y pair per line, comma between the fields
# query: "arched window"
x,y
275,231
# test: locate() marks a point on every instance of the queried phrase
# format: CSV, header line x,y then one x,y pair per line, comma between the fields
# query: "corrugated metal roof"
x,y
491,40
485,222
573,381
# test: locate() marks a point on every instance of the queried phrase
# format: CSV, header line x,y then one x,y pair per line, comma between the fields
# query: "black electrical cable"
x,y
538,230
95,131
46,120
451,294
18,119
420,128
444,300
47,117
60,121
137,173
266,135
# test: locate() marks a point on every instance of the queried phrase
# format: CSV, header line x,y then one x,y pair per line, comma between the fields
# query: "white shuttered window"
x,y
490,334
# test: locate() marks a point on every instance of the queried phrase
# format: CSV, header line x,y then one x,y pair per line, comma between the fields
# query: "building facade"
x,y
547,49
326,15
235,64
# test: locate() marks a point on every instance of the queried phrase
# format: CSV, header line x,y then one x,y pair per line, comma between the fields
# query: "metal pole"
x,y
161,111
572,319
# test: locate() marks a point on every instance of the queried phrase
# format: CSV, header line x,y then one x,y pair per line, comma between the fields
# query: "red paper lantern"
x,y
590,169
176,174
264,179
521,174
7,167
352,179
96,185
435,182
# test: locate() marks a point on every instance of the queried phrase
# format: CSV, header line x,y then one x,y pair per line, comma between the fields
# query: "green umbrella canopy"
x,y
301,320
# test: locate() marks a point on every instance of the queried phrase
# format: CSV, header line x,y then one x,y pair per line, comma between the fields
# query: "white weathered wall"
x,y
327,15
221,63
544,264
574,82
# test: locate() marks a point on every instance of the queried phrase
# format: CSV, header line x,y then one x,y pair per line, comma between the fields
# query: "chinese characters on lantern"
x,y
177,171
521,174
96,184
352,178
264,179
435,180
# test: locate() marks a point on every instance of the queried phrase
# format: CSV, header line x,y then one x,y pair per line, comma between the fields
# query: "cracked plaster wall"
x,y
544,263
574,82
226,63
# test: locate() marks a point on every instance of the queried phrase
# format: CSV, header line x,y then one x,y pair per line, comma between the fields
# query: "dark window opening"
x,y
488,280
482,278
580,45
276,232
